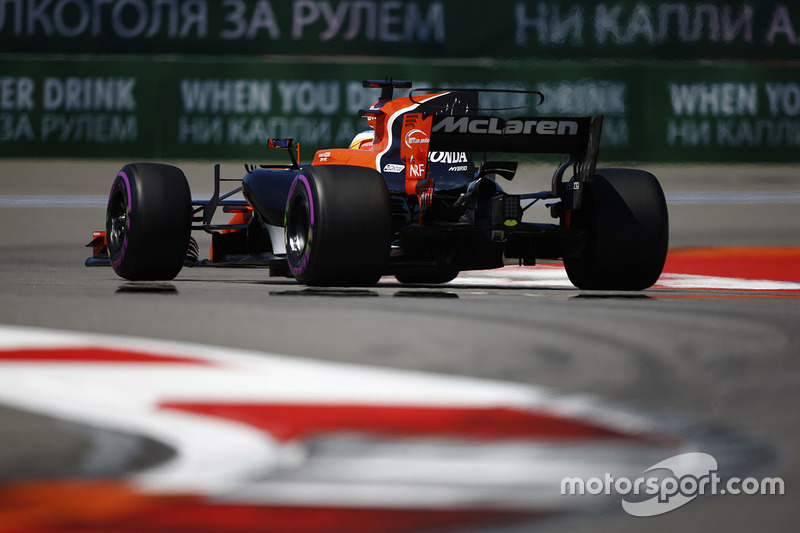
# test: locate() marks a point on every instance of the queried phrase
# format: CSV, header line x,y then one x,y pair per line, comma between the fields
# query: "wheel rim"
x,y
297,227
118,222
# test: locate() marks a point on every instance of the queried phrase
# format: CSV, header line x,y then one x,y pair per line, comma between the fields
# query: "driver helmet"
x,y
365,138
362,140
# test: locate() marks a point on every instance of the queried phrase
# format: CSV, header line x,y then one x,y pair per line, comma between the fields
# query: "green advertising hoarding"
x,y
66,108
185,109
527,29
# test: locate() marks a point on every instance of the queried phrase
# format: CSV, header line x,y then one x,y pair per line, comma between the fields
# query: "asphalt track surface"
x,y
713,361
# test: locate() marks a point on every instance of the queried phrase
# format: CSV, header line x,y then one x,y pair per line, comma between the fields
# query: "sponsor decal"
x,y
417,170
416,136
414,153
498,126
396,169
448,157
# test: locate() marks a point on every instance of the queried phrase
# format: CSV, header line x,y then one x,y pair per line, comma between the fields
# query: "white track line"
x,y
554,276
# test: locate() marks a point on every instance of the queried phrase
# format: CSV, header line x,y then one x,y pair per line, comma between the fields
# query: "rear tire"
x,y
148,221
338,226
626,215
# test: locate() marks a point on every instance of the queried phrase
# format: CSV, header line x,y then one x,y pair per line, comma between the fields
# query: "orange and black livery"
x,y
418,196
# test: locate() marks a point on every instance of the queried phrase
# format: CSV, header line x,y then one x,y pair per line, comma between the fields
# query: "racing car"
x,y
421,200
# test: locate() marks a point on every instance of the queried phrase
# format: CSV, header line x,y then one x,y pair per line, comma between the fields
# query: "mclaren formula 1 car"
x,y
419,201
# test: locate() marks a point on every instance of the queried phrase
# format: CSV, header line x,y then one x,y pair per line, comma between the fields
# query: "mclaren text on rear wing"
x,y
534,135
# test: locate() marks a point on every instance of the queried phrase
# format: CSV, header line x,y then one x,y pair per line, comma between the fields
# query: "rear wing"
x,y
457,127
577,136
458,124
449,123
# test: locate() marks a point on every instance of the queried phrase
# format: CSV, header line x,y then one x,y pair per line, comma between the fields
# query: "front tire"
x,y
338,226
148,221
625,213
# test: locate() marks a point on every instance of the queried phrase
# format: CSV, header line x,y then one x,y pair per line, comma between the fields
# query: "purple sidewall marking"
x,y
118,261
299,269
310,197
